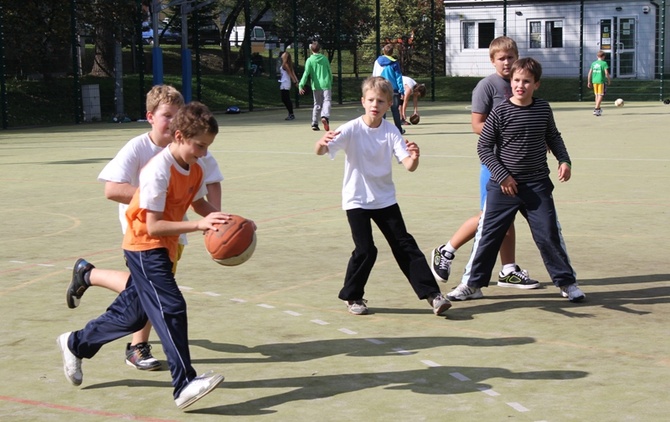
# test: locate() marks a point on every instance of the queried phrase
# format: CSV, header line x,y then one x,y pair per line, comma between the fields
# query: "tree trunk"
x,y
103,63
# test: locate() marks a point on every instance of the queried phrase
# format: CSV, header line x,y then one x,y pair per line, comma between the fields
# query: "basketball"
x,y
233,243
414,119
618,102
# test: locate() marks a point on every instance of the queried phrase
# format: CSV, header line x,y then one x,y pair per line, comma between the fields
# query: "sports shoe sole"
x,y
519,286
155,367
442,309
476,295
215,381
325,123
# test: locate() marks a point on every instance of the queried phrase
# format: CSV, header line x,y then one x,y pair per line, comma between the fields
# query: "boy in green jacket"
x,y
317,68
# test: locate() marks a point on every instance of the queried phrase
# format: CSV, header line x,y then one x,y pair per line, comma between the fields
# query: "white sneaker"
x,y
464,292
198,388
572,292
440,304
71,363
357,307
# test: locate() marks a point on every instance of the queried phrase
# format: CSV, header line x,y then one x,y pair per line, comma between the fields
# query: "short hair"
x,y
315,47
194,119
420,89
503,44
529,65
601,54
163,94
377,83
388,49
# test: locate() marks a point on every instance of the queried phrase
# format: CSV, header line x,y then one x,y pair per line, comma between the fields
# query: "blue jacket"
x,y
388,68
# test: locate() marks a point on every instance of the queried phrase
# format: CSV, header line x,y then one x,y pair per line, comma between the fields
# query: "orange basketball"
x,y
414,119
233,243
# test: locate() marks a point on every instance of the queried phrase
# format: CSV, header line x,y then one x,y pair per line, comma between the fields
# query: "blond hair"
x,y
163,94
503,43
377,83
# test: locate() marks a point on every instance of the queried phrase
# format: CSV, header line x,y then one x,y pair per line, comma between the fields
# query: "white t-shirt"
x,y
407,81
126,165
368,161
285,81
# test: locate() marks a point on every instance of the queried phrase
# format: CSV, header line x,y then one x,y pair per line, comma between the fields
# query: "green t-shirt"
x,y
598,69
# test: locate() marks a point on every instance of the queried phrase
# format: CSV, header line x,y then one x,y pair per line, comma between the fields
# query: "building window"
x,y
478,34
552,37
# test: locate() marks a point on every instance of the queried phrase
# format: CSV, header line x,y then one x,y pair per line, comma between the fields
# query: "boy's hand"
x,y
207,223
327,138
564,172
413,149
508,186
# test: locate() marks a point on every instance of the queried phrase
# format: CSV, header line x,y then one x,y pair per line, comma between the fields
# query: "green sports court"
x,y
274,327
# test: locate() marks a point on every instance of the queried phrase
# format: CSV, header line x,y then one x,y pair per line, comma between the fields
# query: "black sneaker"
x,y
441,264
140,357
77,286
326,123
315,127
518,279
290,117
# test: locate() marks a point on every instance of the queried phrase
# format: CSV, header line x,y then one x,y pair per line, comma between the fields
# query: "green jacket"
x,y
317,68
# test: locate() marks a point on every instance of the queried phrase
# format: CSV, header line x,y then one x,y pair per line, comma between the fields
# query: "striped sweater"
x,y
514,141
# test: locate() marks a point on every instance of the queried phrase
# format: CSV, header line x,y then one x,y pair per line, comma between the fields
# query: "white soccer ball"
x,y
618,102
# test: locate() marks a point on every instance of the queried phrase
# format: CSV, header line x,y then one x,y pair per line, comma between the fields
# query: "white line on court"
x,y
212,294
20,262
292,313
263,305
401,351
374,341
318,321
347,331
517,407
459,376
45,265
488,391
185,288
238,300
431,363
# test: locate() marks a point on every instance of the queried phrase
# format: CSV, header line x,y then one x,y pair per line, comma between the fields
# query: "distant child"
x,y
513,145
598,72
317,68
489,92
413,90
388,67
287,76
369,142
121,178
169,184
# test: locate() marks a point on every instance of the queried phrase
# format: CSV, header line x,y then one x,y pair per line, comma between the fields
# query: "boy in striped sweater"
x,y
513,146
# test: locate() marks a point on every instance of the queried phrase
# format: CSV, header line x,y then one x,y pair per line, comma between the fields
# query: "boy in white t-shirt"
x,y
368,194
121,178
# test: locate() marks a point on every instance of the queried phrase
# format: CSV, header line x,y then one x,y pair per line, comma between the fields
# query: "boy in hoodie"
x,y
317,68
388,68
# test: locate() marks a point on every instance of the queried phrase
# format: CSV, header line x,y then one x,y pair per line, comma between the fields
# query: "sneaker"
x,y
595,111
465,292
71,363
77,286
139,356
440,304
518,279
572,292
599,112
441,265
198,388
326,123
357,307
315,127
290,117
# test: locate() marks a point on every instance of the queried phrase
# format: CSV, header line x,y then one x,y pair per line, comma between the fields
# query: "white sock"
x,y
449,248
508,268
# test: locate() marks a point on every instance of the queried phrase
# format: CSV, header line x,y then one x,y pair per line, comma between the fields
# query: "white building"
x,y
564,35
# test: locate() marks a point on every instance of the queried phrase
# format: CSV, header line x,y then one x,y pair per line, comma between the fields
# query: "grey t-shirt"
x,y
489,92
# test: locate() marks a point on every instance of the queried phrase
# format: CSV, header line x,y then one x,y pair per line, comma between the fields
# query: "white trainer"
x,y
464,292
572,292
198,388
71,363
